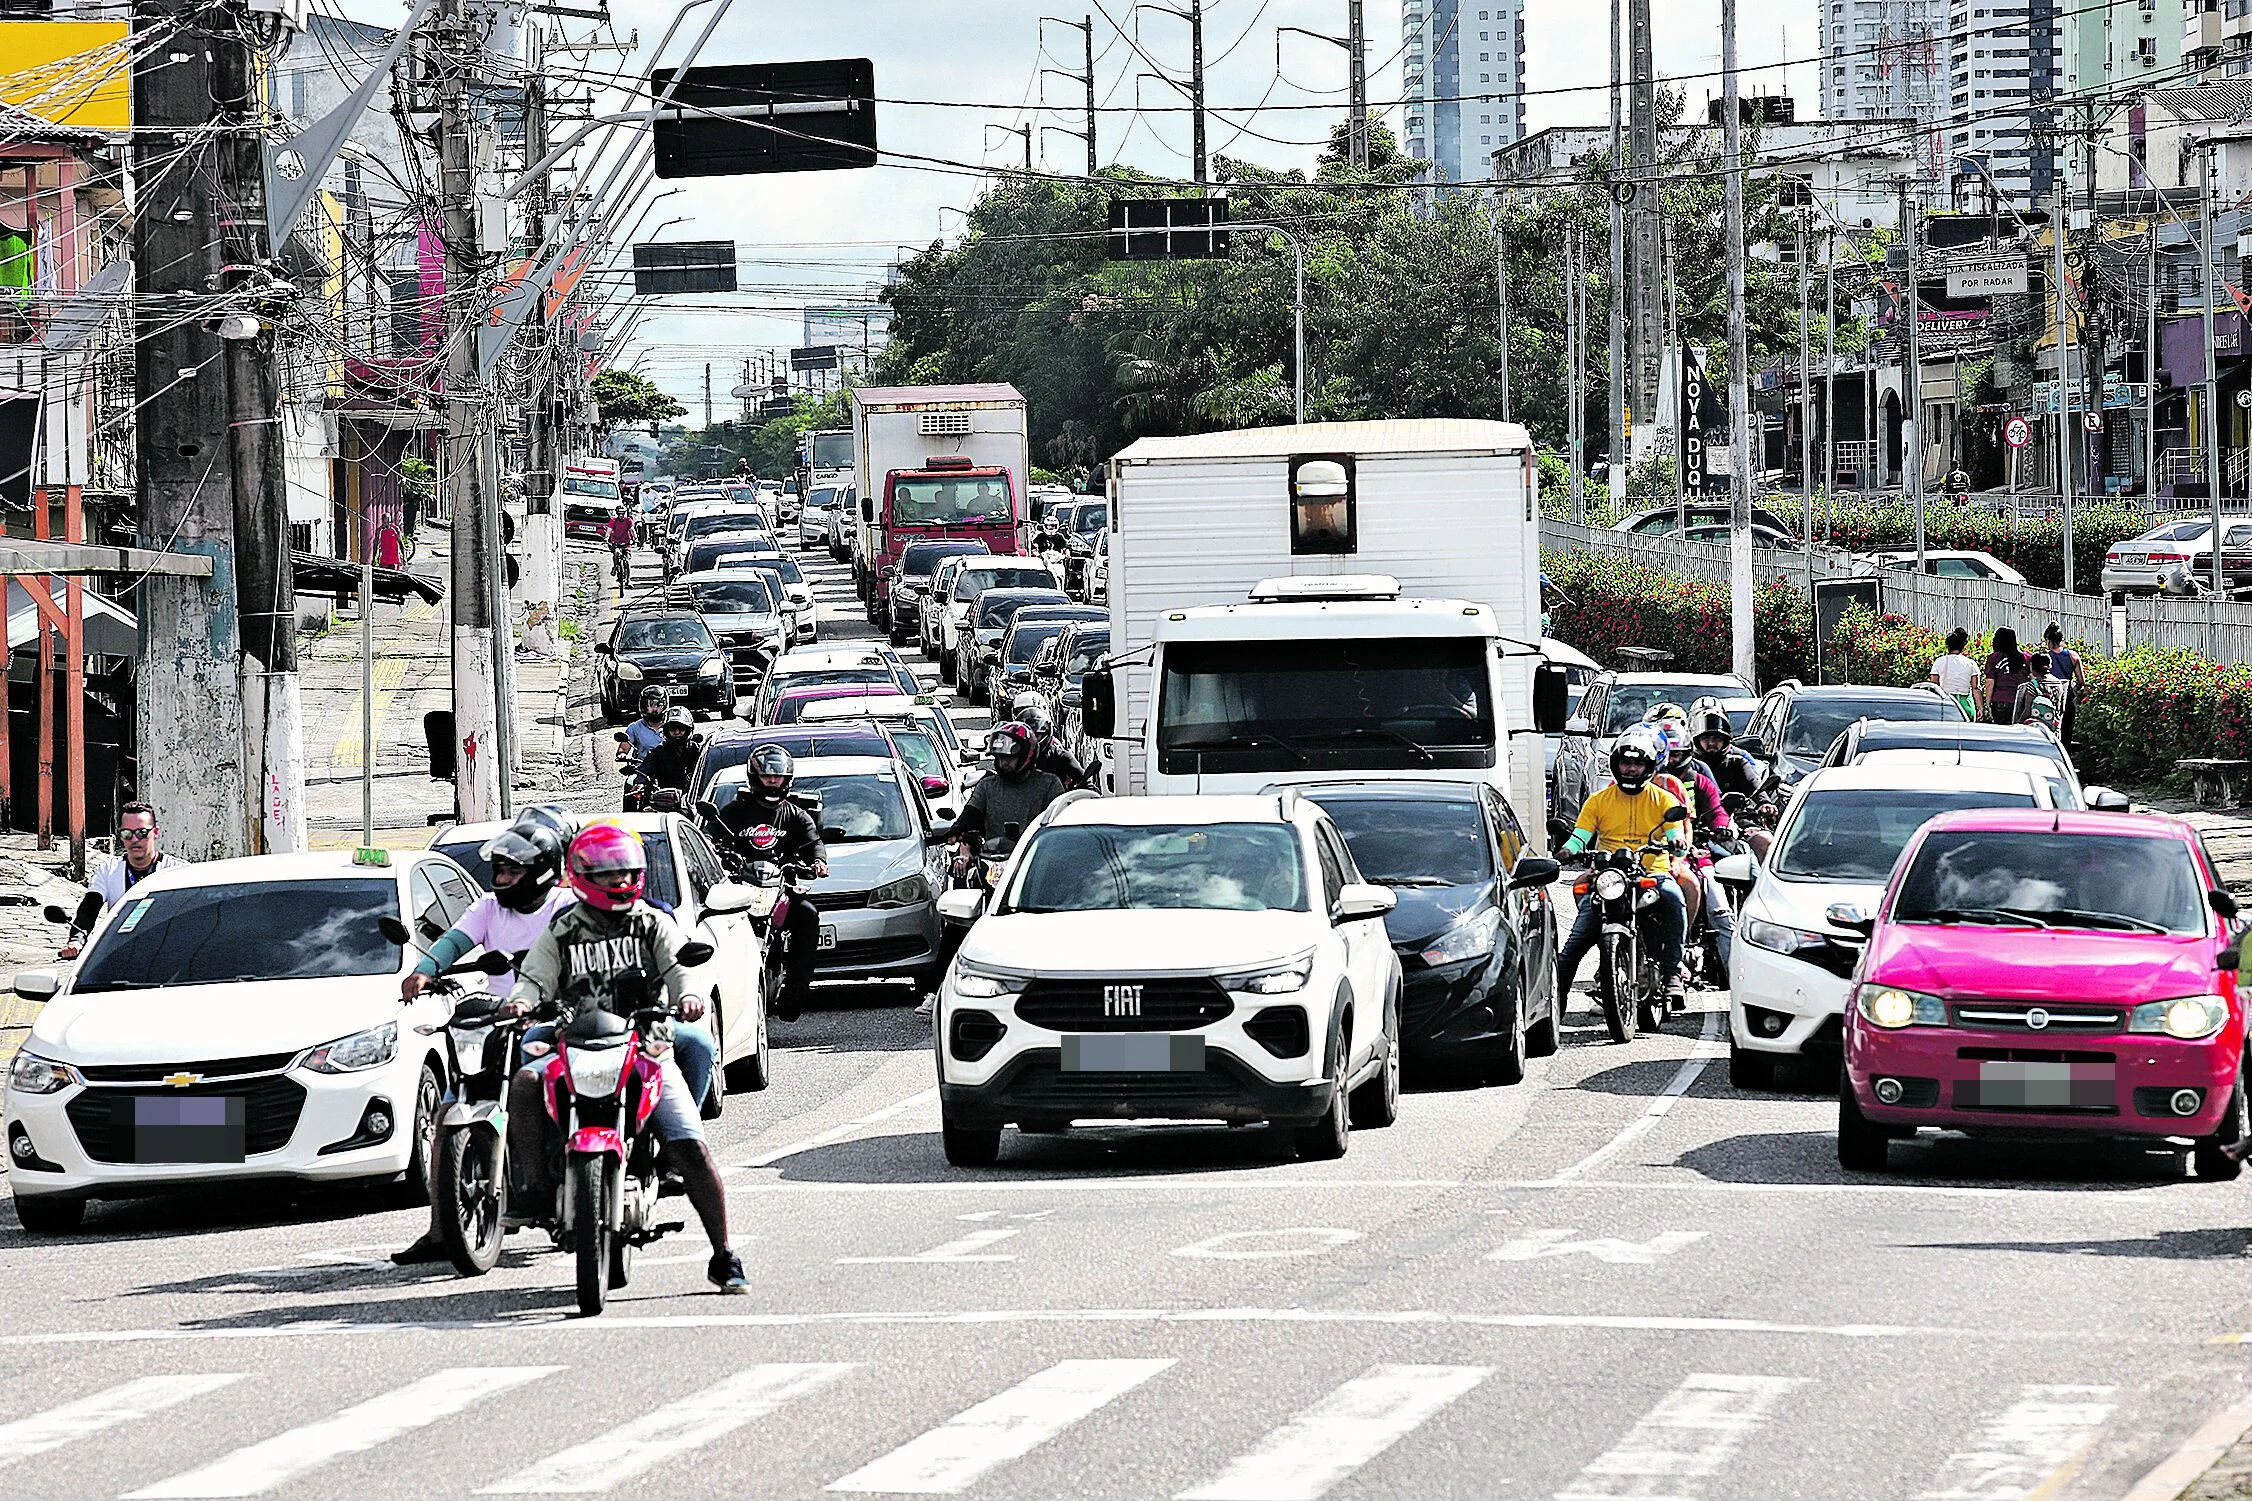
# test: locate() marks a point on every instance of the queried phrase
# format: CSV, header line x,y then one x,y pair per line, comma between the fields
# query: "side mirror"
x,y
1752,745
935,835
1741,869
1534,870
55,914
1098,704
393,931
2223,905
1851,916
1558,831
831,833
37,984
1552,698
1357,902
728,896
936,785
961,905
602,648
695,952
1069,698
2105,800
1577,726
706,808
1677,814
493,963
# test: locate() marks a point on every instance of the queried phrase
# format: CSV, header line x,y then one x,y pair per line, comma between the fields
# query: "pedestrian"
x,y
139,859
1957,675
2065,665
387,545
2006,672
2041,699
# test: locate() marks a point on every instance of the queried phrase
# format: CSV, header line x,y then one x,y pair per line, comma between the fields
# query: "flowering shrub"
x,y
1614,603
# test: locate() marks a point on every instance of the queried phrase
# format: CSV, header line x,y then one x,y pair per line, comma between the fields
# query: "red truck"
x,y
935,463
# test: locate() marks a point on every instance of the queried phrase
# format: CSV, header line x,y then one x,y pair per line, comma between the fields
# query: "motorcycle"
x,y
753,859
1627,982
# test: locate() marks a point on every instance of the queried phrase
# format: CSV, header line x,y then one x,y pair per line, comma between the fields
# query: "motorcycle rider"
x,y
1047,756
1712,822
648,732
1731,770
1628,814
765,800
1017,793
606,950
673,763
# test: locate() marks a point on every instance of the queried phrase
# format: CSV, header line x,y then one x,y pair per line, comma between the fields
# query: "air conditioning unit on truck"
x,y
935,462
1326,602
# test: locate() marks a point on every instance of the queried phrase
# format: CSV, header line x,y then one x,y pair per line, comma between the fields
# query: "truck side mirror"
x,y
1551,698
1098,704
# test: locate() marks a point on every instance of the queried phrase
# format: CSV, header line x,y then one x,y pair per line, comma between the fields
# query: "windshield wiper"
x,y
1995,916
2068,917
1240,740
1380,732
1411,881
101,985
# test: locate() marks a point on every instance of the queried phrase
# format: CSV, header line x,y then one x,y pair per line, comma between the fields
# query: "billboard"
x,y
851,327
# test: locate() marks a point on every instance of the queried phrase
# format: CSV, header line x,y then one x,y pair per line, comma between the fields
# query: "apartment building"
x,y
1465,80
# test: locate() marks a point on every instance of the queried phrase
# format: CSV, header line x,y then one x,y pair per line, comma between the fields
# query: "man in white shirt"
x,y
136,837
1957,675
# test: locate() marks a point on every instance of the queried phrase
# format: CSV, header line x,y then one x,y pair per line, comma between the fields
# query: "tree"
x,y
622,397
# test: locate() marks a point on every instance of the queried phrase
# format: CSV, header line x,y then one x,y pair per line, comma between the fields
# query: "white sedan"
x,y
233,1020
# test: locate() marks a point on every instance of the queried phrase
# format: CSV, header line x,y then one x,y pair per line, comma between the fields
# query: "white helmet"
x,y
1640,741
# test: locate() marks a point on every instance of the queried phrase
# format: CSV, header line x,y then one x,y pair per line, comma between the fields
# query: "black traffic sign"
x,y
1168,229
821,116
683,266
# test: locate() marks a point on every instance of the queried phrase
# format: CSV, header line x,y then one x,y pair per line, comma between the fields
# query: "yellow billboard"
x,y
68,72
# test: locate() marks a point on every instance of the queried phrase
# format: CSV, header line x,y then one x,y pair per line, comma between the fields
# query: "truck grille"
x,y
1161,1005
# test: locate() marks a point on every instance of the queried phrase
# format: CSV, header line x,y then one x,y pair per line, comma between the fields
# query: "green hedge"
x,y
1614,603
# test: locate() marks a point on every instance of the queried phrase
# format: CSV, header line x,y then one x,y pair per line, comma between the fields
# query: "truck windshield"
x,y
970,500
831,451
1382,704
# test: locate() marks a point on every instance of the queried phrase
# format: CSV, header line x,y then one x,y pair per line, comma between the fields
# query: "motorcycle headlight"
x,y
1275,979
362,1050
2187,1017
1776,938
1471,938
595,1071
1610,884
978,985
907,891
32,1074
1892,1008
712,668
628,673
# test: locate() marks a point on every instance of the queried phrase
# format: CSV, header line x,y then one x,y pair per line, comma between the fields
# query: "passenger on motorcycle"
x,y
611,950
673,763
1712,823
1669,722
1731,770
1628,814
648,732
765,801
1047,756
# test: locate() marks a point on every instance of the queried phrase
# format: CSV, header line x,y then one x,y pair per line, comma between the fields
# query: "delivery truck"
x,y
1327,601
934,462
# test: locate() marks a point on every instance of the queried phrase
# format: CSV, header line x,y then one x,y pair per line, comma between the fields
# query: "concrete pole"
x,y
2064,383
2150,372
1501,287
2208,285
1356,48
1620,384
1741,419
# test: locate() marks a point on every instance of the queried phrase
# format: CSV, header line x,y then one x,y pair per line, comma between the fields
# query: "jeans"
x,y
802,929
1666,924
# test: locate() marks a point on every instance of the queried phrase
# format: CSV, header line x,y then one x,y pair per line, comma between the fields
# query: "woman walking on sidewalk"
x,y
2006,672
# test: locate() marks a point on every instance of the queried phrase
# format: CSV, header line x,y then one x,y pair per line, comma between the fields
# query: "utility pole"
x,y
1356,49
1615,402
1911,429
1741,419
1501,287
1805,378
2150,362
1196,89
2207,285
1648,331
1017,130
2064,384
707,395
1084,79
543,521
1575,376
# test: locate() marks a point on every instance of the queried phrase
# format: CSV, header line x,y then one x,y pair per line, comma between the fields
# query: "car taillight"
x,y
2169,557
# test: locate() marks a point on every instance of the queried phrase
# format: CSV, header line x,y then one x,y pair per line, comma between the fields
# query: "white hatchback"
x,y
1172,958
232,1020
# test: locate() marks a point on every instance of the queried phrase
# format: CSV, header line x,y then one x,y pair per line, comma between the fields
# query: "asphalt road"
x,y
1618,1279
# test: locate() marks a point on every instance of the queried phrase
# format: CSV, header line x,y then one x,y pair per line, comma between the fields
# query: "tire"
x,y
428,1090
1505,1055
970,1146
1863,1145
471,1194
1376,1104
50,1214
714,1103
1649,1015
752,1074
1613,981
2208,1158
621,1261
589,1176
1748,1070
1542,1037
1327,1139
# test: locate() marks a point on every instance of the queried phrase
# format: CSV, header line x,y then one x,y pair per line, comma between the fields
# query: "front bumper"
x,y
877,941
1033,1086
2122,1084
1445,1006
1766,989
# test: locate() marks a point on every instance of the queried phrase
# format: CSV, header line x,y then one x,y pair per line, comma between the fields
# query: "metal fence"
x,y
1980,605
2212,629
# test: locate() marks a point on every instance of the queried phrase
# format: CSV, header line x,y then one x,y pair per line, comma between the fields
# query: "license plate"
x,y
1133,1053
188,1128
828,939
2045,1086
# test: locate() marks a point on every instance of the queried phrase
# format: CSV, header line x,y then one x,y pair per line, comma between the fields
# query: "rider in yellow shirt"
x,y
1629,814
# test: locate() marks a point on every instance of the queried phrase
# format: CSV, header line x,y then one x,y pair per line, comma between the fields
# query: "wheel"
x,y
1863,1145
591,1200
714,1103
50,1214
970,1146
979,692
1649,1013
471,1195
1614,986
621,1261
2208,1157
429,1089
1326,1139
1505,1055
1541,1037
1376,1104
749,1075
1750,1070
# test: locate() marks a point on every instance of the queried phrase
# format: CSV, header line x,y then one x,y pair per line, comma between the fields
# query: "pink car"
x,y
2049,972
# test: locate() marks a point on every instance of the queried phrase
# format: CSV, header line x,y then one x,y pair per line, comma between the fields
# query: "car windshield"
x,y
743,596
1090,519
971,582
978,500
677,633
1628,702
1399,841
859,806
1377,704
587,484
470,857
995,614
1086,651
1857,834
264,930
2122,882
1026,640
1228,867
1814,723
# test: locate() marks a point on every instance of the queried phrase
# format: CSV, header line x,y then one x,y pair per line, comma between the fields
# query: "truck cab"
x,y
950,498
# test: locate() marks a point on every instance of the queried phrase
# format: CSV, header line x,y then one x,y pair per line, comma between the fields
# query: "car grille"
x,y
838,901
1166,1005
2011,1016
871,951
1041,1087
103,1118
210,1068
2033,1055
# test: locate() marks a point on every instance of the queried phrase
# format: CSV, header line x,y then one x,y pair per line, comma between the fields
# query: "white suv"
x,y
1174,958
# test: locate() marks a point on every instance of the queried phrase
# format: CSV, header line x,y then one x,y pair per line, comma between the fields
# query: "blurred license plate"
x,y
828,939
188,1128
1133,1053
2045,1086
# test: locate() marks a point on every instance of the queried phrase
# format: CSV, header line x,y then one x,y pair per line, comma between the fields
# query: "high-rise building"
x,y
1465,77
1888,60
2006,66
2113,50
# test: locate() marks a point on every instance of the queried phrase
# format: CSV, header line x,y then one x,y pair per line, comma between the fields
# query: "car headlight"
x,y
595,1071
712,667
1610,884
362,1050
32,1074
1892,1008
2189,1016
1471,938
978,985
907,891
1281,978
1777,938
628,673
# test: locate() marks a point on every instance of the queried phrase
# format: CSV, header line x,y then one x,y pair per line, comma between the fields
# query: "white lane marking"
x,y
1683,1441
1264,1245
88,1416
633,1448
967,1248
2017,1449
952,1456
837,1133
1122,1182
284,1457
1708,1048
1536,1244
1340,1433
2199,1452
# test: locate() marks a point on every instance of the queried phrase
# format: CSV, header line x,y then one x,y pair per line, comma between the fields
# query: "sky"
x,y
823,237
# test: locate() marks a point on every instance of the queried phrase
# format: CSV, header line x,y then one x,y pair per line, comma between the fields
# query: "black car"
x,y
704,555
911,579
1796,725
669,649
1473,926
1012,671
980,645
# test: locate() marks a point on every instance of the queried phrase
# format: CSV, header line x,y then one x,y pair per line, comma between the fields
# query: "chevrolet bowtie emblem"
x,y
181,1081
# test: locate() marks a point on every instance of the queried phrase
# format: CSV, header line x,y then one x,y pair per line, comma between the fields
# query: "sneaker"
x,y
424,1251
786,1007
726,1273
928,1005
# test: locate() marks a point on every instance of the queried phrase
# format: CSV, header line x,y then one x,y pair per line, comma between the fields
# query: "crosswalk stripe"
x,y
2017,1449
107,1409
676,1428
1340,1433
952,1456
1682,1442
285,1456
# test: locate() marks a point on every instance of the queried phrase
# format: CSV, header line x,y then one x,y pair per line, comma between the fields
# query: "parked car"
x,y
668,648
911,581
977,650
1796,725
1764,538
2140,565
1953,564
1663,521
1614,703
2047,974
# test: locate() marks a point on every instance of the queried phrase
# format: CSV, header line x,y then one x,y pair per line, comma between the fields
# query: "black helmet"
x,y
681,720
533,848
652,700
1011,747
1035,717
1707,717
552,816
771,772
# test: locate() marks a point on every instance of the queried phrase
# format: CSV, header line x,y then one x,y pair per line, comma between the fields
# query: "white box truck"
x,y
1329,601
935,462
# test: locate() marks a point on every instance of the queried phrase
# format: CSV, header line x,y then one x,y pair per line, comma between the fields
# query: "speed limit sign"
x,y
2017,432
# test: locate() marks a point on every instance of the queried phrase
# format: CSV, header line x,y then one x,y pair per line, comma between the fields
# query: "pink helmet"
x,y
608,866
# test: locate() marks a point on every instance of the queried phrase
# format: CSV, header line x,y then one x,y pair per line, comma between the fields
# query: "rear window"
x,y
2108,882
1813,724
1854,834
921,557
971,582
1628,702
1001,611
1398,841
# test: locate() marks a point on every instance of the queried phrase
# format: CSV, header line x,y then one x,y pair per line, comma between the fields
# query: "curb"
x,y
2180,1470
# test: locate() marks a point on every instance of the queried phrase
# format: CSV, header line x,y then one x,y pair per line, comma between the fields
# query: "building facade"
x,y
1888,60
1465,83
2006,67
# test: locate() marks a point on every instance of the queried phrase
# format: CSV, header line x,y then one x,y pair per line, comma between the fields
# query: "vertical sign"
x,y
1692,422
